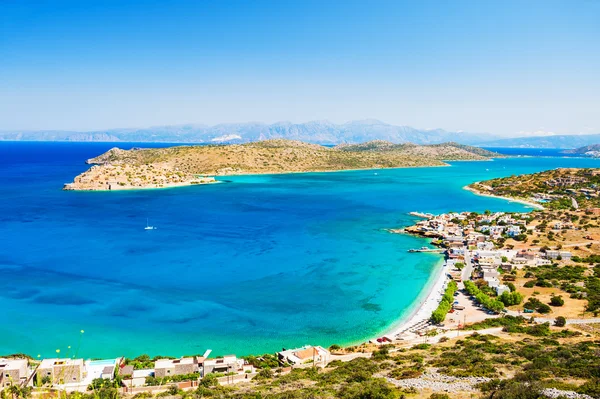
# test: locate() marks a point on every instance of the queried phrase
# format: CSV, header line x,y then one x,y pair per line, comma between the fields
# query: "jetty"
x,y
421,215
425,249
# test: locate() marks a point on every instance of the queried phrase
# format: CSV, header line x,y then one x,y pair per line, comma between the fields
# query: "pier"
x,y
424,249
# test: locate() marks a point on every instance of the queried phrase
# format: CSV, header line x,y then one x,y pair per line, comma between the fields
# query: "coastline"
x,y
131,188
425,303
442,164
521,201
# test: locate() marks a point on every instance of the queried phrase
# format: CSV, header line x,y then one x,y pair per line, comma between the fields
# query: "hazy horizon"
x,y
200,124
508,69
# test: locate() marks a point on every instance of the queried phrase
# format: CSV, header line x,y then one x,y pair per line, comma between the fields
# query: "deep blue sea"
x,y
248,266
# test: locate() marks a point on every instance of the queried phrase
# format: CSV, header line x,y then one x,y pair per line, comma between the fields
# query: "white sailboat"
x,y
148,227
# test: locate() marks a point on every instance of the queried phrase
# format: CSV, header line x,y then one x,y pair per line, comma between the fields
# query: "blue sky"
x,y
504,67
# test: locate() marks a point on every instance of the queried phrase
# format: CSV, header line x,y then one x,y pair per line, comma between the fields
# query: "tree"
x,y
511,298
209,380
557,300
543,308
560,321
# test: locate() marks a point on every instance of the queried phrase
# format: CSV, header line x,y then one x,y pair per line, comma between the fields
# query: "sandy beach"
x,y
521,201
428,302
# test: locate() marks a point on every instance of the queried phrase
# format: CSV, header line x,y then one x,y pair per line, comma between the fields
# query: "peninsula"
x,y
186,165
562,188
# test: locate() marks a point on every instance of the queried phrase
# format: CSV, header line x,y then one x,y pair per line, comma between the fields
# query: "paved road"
x,y
570,321
551,320
468,269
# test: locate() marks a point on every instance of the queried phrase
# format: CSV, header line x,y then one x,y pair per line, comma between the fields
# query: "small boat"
x,y
148,227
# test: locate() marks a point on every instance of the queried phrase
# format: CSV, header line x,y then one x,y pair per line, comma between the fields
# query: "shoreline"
x,y
426,302
443,164
521,201
131,188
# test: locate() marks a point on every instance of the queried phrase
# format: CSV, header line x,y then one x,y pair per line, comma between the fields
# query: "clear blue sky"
x,y
502,67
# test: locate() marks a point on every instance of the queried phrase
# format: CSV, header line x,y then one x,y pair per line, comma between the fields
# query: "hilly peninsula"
x,y
119,169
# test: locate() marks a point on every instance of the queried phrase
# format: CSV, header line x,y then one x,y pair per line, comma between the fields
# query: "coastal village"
x,y
143,374
493,262
506,277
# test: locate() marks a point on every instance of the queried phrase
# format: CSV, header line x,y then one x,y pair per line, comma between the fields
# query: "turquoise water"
x,y
250,266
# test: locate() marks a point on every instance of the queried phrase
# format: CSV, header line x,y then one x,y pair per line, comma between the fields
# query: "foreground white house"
x,y
306,354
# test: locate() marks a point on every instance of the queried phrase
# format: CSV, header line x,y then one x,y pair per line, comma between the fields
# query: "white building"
x,y
13,372
502,289
513,231
306,354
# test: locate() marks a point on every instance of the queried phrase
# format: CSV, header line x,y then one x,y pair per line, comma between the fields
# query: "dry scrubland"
x,y
180,165
555,189
503,365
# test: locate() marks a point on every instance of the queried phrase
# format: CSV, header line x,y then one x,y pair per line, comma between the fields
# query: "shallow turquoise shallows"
x,y
248,266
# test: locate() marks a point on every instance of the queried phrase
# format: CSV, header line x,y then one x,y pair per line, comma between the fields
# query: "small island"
x,y
119,169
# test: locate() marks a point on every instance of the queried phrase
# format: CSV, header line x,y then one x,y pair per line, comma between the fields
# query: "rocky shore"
x,y
111,177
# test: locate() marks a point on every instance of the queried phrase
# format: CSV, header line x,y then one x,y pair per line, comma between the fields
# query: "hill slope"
x,y
159,167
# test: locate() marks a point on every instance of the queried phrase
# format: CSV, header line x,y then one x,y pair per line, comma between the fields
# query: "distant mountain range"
x,y
320,132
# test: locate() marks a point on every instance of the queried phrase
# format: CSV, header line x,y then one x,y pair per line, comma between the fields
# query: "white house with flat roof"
x,y
170,367
307,354
61,371
13,372
226,364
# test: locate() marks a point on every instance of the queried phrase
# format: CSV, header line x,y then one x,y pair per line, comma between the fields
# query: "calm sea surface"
x,y
249,266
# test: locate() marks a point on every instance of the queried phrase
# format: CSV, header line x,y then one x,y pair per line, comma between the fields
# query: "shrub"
x,y
264,374
372,388
543,308
529,284
543,283
560,321
557,300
